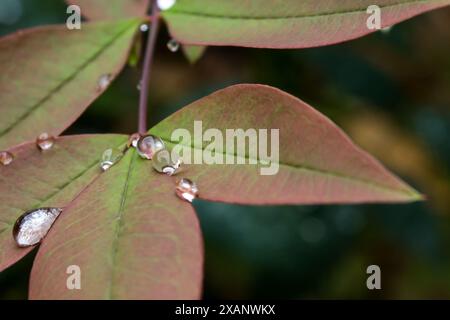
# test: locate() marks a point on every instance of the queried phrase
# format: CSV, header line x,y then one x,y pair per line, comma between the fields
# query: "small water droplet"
x,y
32,226
386,30
166,162
45,141
173,45
148,145
6,158
104,81
186,189
133,140
143,27
109,158
166,4
139,85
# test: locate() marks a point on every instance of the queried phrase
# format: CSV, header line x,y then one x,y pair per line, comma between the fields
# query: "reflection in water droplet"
x,y
6,158
173,45
143,27
148,145
186,189
45,141
166,162
109,158
166,4
103,82
33,225
133,140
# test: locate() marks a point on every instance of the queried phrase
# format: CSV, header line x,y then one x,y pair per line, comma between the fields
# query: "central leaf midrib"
x,y
296,16
67,80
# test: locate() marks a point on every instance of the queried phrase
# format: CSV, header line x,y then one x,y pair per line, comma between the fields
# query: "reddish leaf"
x,y
130,236
283,23
318,162
111,9
40,179
49,75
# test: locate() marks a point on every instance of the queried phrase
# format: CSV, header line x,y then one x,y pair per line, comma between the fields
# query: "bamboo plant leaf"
x,y
283,23
318,163
46,179
51,74
131,237
111,9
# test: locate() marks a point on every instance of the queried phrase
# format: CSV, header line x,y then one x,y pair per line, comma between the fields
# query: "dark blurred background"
x,y
389,91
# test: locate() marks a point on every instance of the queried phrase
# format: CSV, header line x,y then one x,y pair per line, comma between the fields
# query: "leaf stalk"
x,y
147,68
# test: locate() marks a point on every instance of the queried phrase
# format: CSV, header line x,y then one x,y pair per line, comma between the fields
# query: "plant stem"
x,y
147,68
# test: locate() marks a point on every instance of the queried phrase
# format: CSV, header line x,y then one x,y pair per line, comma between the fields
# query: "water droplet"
x,y
133,140
32,226
139,85
148,145
6,158
186,189
104,81
109,158
166,4
166,162
45,141
386,30
173,45
143,27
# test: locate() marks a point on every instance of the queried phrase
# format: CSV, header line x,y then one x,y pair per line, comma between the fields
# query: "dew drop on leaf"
x,y
166,162
173,45
32,226
186,189
166,4
6,158
45,141
148,145
109,158
143,27
103,82
133,140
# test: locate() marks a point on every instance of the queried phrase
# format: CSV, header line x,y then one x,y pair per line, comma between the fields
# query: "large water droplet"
x,y
166,162
33,225
186,189
45,141
148,145
104,81
109,158
133,140
166,4
173,45
6,158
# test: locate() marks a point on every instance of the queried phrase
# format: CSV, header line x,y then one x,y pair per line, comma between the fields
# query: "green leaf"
x,y
318,163
131,237
46,179
49,75
193,53
283,23
111,9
